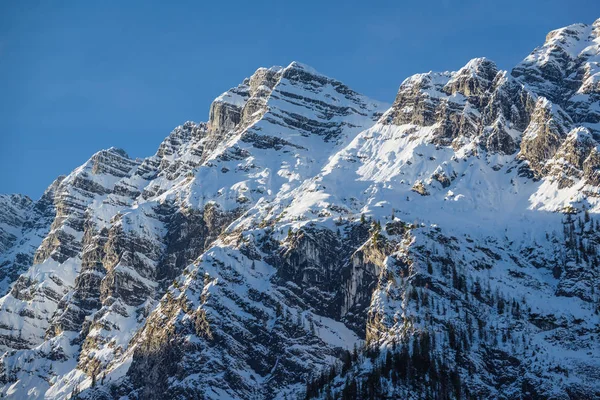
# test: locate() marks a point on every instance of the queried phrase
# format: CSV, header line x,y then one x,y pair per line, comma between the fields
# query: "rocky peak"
x,y
57,260
180,152
474,79
252,252
315,81
476,104
175,144
264,80
244,101
413,104
548,66
239,107
565,69
113,161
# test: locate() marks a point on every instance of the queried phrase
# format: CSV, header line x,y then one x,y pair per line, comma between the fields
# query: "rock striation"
x,y
309,242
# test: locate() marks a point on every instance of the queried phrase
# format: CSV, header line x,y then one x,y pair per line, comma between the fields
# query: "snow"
x,y
335,333
231,98
319,165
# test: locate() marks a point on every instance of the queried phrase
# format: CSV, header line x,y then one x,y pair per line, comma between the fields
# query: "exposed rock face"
x,y
478,103
451,239
544,135
13,210
418,187
566,71
57,260
226,111
121,234
312,261
24,224
474,79
576,159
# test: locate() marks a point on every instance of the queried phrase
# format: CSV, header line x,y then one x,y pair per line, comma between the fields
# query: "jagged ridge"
x,y
303,219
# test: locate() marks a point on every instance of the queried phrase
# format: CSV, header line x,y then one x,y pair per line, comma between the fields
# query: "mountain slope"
x,y
445,246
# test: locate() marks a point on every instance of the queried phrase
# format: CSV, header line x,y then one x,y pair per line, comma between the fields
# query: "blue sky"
x,y
79,76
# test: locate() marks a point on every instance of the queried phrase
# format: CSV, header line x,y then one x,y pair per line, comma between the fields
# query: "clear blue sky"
x,y
79,76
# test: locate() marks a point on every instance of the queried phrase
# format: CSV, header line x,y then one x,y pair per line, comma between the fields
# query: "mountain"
x,y
309,242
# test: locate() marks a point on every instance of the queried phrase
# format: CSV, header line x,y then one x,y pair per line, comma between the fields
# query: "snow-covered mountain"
x,y
309,242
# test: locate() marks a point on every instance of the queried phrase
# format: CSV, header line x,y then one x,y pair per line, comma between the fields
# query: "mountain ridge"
x,y
455,228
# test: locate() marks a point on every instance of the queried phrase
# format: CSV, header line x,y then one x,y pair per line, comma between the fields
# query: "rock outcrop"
x,y
310,242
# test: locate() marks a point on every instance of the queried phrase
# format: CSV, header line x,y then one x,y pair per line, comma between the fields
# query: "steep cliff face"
x,y
24,225
13,213
443,247
14,210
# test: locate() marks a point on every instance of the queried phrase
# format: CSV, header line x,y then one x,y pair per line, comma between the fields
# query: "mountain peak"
x,y
566,70
567,34
304,67
479,63
452,239
475,78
